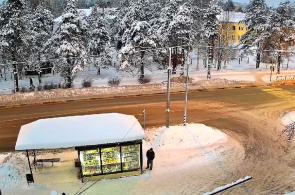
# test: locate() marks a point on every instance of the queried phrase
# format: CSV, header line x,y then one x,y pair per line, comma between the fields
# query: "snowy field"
x,y
187,160
233,70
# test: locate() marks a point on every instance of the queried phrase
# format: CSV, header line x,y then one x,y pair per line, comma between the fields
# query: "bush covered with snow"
x,y
87,82
114,81
144,80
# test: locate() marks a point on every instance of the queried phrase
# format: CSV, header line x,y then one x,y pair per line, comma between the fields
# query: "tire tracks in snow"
x,y
215,159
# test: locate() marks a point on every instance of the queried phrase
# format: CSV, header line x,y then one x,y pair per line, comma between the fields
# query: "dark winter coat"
x,y
150,154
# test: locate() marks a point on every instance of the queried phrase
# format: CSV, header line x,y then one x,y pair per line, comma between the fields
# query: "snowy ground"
x,y
234,70
186,161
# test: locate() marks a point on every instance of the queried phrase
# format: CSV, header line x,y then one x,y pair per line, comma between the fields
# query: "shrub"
x,y
39,88
67,85
114,81
23,89
46,86
54,86
87,82
31,88
144,80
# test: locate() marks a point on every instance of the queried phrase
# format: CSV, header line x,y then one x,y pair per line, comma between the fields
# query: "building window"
x,y
239,37
234,27
241,28
234,38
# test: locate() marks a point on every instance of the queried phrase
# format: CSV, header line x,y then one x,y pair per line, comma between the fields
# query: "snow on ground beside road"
x,y
232,71
288,118
181,153
11,170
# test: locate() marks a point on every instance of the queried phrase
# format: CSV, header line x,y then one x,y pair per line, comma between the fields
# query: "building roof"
x,y
82,12
74,131
235,17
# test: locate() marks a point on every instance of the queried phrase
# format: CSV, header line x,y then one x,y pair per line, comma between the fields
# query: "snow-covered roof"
x,y
82,12
87,12
74,131
234,17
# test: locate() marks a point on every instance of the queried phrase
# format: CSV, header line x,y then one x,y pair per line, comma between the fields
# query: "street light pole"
x,y
186,89
168,91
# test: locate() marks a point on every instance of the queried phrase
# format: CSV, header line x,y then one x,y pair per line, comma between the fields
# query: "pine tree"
x,y
139,36
39,30
12,38
211,30
99,40
137,32
67,44
281,27
229,6
258,24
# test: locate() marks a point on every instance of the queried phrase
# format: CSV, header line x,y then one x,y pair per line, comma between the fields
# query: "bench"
x,y
52,160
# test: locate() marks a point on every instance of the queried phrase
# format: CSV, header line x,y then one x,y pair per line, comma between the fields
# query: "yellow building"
x,y
231,27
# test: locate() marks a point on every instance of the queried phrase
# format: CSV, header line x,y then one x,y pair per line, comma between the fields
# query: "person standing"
x,y
150,154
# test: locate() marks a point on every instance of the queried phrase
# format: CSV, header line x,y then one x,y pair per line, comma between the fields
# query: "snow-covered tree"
x,y
139,37
282,25
38,32
211,30
98,39
12,38
258,24
228,5
67,45
137,32
180,32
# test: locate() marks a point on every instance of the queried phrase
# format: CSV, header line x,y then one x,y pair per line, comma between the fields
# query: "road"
x,y
203,107
251,116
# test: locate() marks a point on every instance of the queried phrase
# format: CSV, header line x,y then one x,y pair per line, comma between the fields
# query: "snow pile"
x,y
182,137
11,172
288,118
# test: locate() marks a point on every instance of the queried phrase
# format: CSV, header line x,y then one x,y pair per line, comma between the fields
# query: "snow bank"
x,y
11,171
288,118
9,177
182,137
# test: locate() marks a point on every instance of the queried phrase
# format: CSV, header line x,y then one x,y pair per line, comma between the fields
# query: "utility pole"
x,y
211,55
168,91
143,119
279,62
15,78
186,88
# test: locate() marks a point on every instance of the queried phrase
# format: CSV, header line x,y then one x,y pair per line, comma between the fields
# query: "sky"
x,y
271,3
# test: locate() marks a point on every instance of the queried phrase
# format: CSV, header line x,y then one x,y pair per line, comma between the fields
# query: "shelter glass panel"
x,y
131,157
90,162
111,159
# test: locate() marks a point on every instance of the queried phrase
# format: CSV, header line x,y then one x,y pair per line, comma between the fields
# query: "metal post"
x,y
186,90
144,119
271,68
30,165
211,56
168,91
